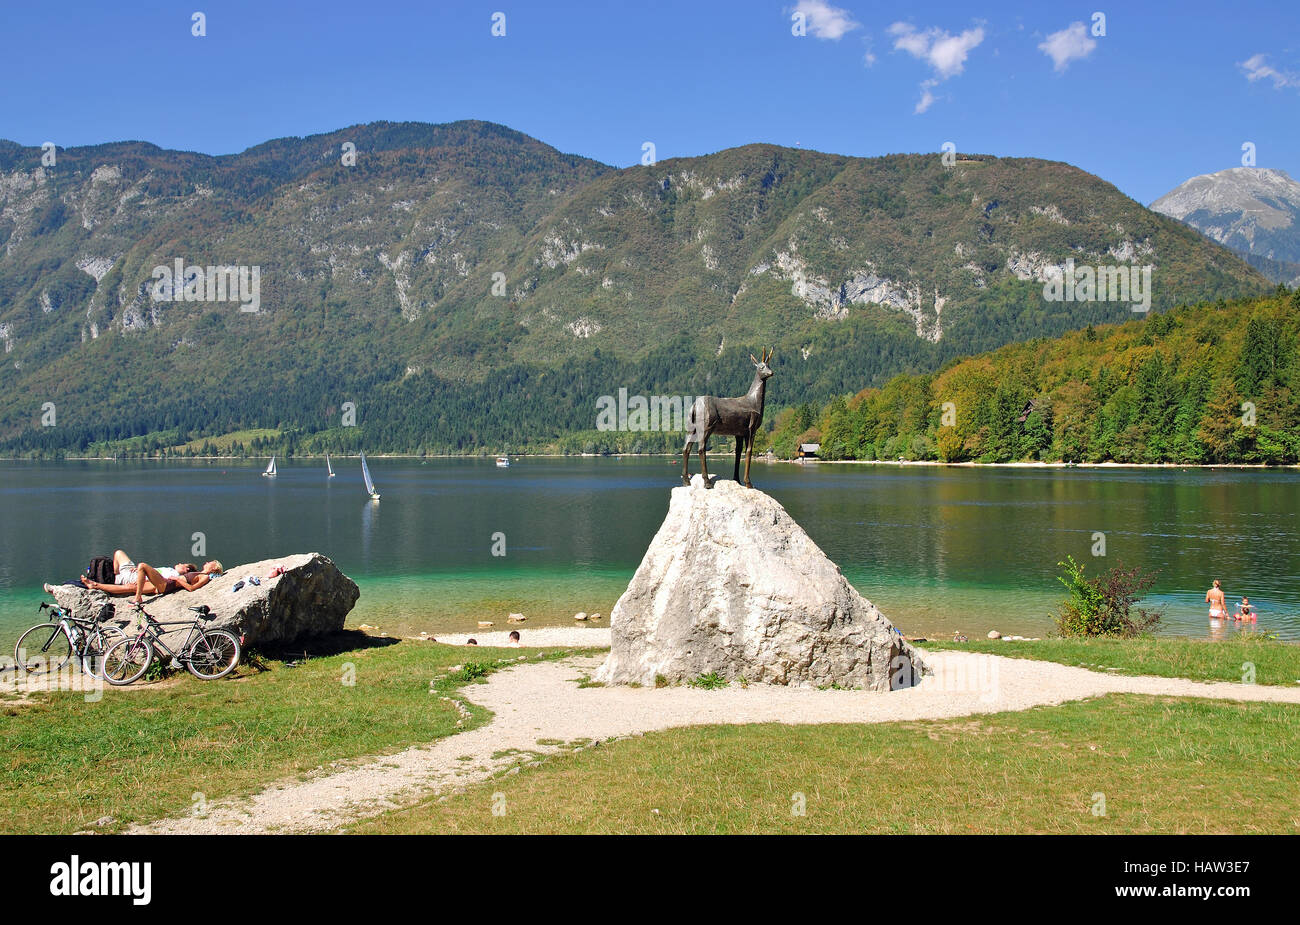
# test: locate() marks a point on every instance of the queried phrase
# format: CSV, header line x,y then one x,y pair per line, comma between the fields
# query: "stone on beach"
x,y
312,597
731,584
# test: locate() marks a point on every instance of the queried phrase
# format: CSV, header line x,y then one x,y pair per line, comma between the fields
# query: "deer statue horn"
x,y
767,355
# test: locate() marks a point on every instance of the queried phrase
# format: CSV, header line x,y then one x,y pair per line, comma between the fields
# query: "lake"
x,y
938,549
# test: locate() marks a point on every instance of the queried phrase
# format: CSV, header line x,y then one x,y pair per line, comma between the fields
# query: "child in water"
x,y
1246,612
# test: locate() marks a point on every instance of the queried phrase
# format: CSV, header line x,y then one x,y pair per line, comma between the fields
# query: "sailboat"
x,y
328,466
370,483
270,470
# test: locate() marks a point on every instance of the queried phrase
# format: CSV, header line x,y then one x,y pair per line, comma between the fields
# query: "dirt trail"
x,y
542,701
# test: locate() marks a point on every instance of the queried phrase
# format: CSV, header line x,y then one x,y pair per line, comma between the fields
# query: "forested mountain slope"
x,y
465,286
1212,383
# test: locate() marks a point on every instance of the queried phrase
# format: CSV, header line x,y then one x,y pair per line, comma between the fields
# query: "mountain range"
x,y
467,286
1255,211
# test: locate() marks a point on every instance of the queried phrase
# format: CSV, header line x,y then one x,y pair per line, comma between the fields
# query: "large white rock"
x,y
731,584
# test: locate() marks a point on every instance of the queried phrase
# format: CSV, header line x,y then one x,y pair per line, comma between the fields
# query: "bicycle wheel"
x,y
213,655
43,648
127,660
97,645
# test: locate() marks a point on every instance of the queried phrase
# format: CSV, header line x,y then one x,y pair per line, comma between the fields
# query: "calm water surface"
x,y
937,549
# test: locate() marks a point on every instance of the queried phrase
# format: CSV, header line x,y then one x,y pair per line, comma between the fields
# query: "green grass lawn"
x,y
1166,657
1162,765
142,753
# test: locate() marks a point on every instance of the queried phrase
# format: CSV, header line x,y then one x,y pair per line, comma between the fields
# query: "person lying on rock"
x,y
145,579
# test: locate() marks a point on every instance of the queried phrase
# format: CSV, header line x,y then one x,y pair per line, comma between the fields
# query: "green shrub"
x,y
709,682
158,670
472,671
1105,605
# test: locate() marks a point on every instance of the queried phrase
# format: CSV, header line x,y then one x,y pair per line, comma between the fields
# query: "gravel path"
x,y
541,701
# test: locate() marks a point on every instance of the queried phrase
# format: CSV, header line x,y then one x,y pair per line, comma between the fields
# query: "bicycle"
x,y
207,653
48,647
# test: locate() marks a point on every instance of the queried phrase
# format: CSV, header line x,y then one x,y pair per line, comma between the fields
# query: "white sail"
x,y
370,484
328,466
270,469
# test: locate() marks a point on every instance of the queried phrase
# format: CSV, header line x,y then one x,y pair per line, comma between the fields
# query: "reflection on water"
x,y
369,517
938,549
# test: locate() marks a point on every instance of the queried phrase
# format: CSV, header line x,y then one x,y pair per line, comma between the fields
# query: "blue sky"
x,y
1173,89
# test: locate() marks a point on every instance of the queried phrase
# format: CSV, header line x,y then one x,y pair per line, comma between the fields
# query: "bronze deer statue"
x,y
727,417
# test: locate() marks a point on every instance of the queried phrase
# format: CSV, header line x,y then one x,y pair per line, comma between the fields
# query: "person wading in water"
x,y
1218,606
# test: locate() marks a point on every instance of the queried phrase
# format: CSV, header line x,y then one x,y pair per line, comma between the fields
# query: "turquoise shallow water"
x,y
937,549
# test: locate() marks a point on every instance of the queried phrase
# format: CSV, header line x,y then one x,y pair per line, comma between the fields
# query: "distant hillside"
x,y
1213,383
1279,271
467,286
1253,210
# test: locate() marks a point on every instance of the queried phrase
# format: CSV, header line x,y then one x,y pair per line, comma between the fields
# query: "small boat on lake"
x,y
328,467
370,483
270,470
503,462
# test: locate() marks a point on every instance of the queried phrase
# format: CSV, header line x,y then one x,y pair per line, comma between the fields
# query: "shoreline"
x,y
590,637
399,620
933,463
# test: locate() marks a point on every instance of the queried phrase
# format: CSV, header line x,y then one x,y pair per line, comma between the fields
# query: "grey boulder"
x,y
732,585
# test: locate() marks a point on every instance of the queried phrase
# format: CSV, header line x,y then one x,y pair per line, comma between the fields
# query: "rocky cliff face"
x,y
311,597
1253,210
731,584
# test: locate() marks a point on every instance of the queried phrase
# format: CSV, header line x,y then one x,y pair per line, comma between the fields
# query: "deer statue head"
x,y
760,366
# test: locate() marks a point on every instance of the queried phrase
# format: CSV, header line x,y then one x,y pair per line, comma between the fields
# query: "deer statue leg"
x,y
749,458
740,446
686,457
704,462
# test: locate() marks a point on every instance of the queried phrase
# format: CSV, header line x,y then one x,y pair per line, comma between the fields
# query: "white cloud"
x,y
944,52
825,21
948,54
1073,43
909,40
927,97
1256,68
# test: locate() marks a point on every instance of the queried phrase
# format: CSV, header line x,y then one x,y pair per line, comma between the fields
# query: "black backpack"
x,y
101,570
